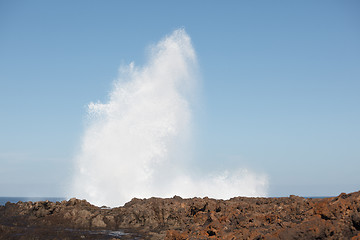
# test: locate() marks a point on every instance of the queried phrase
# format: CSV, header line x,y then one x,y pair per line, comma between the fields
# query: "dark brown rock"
x,y
176,218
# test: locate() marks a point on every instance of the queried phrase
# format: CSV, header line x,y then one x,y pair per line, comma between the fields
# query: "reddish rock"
x,y
176,218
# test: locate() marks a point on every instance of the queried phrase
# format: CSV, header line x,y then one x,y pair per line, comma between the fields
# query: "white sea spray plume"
x,y
136,143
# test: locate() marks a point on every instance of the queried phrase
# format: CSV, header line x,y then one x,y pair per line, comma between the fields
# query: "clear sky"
x,y
280,86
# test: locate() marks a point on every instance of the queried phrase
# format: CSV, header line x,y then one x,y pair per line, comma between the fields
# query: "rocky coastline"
x,y
177,218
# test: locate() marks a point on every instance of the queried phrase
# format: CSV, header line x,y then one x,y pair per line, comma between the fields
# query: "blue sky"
x,y
280,86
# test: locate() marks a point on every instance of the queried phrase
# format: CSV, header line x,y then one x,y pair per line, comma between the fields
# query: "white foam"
x,y
136,143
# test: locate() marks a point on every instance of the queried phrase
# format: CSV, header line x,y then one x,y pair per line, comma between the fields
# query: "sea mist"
x,y
137,143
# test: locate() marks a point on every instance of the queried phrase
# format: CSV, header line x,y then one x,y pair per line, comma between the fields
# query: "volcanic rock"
x,y
196,218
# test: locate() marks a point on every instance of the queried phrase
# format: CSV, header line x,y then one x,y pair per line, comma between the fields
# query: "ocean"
x,y
4,200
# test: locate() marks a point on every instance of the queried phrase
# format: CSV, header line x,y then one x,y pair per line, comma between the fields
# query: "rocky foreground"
x,y
176,218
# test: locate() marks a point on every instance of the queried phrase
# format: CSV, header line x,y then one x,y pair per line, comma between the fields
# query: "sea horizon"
x,y
4,200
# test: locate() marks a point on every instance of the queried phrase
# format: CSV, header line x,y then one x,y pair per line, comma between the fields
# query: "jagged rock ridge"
x,y
196,218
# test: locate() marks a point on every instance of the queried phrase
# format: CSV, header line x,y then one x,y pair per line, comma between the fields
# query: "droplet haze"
x,y
136,142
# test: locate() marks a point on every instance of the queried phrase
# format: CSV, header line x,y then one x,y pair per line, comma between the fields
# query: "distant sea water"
x,y
4,200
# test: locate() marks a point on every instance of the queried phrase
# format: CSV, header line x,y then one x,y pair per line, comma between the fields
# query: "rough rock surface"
x,y
196,218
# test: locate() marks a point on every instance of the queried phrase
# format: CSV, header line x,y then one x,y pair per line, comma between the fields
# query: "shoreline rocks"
x,y
195,218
